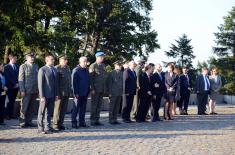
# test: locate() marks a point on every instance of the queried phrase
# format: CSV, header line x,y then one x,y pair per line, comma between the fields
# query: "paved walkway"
x,y
186,135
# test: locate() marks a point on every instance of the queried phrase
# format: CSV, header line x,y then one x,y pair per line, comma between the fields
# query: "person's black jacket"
x,y
155,78
185,84
145,84
130,82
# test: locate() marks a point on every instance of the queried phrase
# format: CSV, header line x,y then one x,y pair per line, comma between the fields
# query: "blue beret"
x,y
100,53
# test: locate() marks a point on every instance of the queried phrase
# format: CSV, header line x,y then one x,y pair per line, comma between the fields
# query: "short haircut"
x,y
11,55
204,68
147,67
48,55
82,58
151,64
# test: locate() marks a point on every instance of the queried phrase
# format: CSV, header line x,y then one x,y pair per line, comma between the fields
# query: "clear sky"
x,y
198,19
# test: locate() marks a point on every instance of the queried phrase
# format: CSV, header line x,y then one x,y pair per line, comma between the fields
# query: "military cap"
x,y
99,53
30,53
117,62
63,56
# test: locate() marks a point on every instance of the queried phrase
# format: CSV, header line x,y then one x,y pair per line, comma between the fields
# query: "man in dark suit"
x,y
81,87
11,71
185,89
48,93
158,89
145,94
202,90
130,91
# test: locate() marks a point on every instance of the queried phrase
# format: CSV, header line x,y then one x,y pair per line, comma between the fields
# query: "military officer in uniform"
x,y
115,91
28,85
97,82
64,86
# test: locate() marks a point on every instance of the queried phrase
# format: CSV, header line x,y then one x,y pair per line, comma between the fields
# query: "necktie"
x,y
53,74
187,79
207,83
13,66
160,76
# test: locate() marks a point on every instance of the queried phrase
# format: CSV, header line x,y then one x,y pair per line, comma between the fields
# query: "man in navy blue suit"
x,y
81,86
158,89
11,75
130,91
202,89
145,94
185,89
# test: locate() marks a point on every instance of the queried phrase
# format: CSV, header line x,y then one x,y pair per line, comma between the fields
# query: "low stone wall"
x,y
221,99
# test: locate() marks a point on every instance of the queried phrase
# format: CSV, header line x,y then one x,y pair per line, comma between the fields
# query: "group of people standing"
x,y
136,89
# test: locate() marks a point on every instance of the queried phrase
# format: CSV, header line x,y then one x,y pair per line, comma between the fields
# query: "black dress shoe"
x,y
204,113
47,132
2,123
99,124
74,126
83,125
31,125
127,121
62,128
114,123
159,120
22,126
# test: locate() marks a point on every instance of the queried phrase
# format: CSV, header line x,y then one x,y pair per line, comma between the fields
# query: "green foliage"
x,y
225,40
183,51
121,28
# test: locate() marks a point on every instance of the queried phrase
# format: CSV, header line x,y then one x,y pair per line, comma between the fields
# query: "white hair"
x,y
82,59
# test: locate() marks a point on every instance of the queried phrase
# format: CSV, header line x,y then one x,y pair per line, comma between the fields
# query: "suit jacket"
x,y
28,78
115,83
155,78
1,87
171,82
98,77
80,81
200,84
11,75
145,84
215,84
130,82
47,82
64,80
185,83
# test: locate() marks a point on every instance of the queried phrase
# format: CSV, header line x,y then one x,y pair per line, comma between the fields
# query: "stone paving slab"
x,y
186,135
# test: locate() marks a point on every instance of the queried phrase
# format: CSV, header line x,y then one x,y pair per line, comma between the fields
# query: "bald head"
x,y
158,68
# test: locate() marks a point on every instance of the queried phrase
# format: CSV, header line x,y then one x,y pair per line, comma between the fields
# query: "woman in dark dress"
x,y
171,83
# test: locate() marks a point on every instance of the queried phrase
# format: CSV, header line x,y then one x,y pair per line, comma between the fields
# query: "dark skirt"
x,y
170,96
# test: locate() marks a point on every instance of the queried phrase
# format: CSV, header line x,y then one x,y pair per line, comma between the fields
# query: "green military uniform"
x,y
136,101
64,85
97,82
28,84
115,90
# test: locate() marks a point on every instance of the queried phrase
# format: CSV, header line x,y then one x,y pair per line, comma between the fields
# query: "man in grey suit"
x,y
48,93
28,83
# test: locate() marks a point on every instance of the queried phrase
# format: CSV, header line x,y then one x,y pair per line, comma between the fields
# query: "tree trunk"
x,y
7,51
